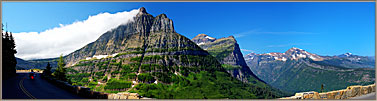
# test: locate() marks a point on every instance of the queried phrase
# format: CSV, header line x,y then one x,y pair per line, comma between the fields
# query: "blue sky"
x,y
324,28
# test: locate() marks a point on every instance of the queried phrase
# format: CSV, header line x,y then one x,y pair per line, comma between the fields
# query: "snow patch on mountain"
x,y
208,37
101,56
201,43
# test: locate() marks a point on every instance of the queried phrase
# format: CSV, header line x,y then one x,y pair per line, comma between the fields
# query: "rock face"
x,y
120,39
228,53
147,56
298,70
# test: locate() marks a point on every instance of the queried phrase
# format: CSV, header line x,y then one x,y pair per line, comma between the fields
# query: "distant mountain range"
x,y
298,70
37,63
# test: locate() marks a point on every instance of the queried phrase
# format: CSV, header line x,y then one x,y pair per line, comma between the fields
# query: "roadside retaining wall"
x,y
87,93
349,92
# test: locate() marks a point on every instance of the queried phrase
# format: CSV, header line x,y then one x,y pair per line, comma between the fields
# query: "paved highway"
x,y
370,96
22,87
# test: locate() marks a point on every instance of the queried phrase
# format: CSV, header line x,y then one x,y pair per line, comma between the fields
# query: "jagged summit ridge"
x,y
162,23
114,41
293,53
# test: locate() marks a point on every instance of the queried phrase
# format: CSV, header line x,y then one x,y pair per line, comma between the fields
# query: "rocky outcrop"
x,y
350,92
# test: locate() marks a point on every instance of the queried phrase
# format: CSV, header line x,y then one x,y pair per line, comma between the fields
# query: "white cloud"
x,y
68,38
246,50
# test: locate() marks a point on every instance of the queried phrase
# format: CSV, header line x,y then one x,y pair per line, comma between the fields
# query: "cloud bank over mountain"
x,y
68,38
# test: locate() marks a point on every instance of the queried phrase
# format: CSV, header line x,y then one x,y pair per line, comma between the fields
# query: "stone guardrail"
x,y
28,71
87,93
349,92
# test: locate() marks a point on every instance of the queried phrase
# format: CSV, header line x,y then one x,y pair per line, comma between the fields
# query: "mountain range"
x,y
297,70
149,57
37,63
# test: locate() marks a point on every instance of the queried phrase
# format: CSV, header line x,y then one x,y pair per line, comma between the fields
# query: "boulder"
x,y
373,87
370,89
133,96
364,90
344,94
337,94
306,96
323,95
316,96
353,91
110,96
330,95
117,96
123,96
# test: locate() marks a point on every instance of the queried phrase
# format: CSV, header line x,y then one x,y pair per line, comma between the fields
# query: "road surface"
x,y
22,87
370,96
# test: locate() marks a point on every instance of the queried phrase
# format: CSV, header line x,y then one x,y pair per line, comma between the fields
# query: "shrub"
x,y
145,77
117,84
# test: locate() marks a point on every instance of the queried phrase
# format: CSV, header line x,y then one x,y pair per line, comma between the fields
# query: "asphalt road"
x,y
370,96
22,87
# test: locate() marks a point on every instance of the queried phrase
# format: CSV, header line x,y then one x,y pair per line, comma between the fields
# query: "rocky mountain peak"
x,y
142,10
296,53
291,54
162,16
162,23
231,37
202,39
348,54
295,49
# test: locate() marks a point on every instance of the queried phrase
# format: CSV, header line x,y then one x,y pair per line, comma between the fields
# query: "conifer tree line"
x,y
8,51
60,72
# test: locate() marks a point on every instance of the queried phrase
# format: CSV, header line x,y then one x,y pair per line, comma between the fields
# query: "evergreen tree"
x,y
47,71
8,58
322,88
60,71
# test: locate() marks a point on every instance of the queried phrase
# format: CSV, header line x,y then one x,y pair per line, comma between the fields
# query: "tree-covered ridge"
x,y
201,82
